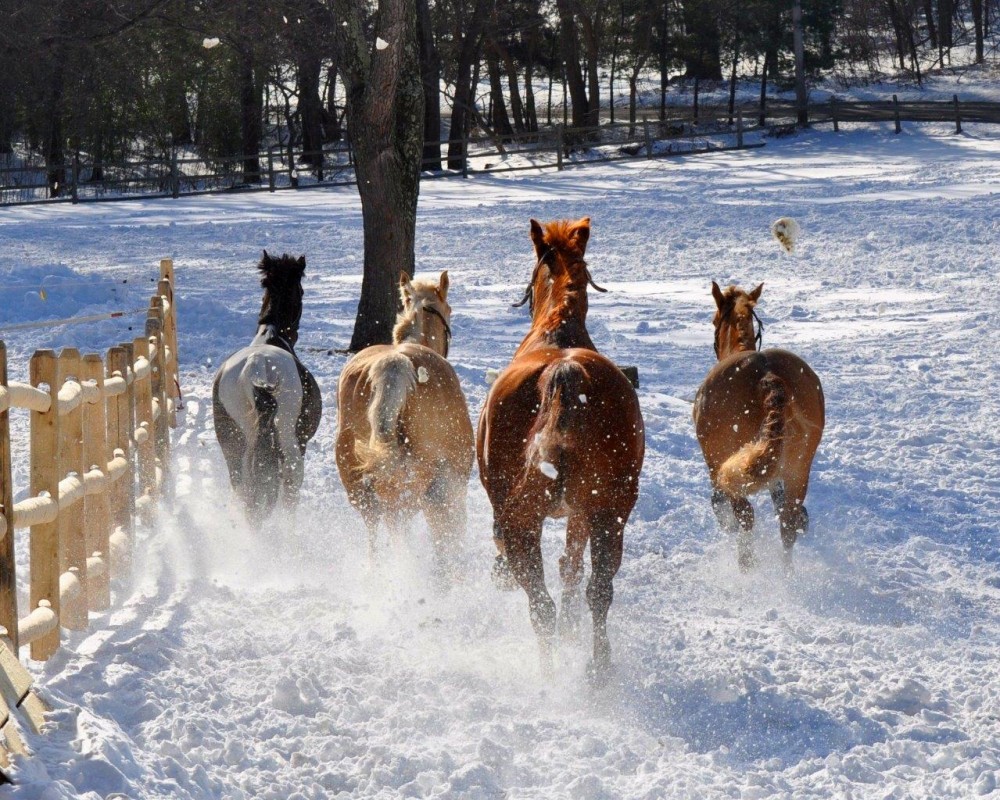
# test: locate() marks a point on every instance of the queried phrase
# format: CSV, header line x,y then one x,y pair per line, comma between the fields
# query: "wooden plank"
x,y
72,544
145,451
120,427
96,517
15,680
8,566
158,382
44,539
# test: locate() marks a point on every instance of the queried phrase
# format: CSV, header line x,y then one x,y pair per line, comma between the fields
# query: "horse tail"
x,y
392,379
264,452
754,465
561,387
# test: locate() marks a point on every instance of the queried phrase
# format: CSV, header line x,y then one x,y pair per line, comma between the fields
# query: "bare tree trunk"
x,y
430,72
571,57
516,104
251,90
308,70
530,111
769,58
801,112
732,80
461,109
385,102
499,121
977,21
331,116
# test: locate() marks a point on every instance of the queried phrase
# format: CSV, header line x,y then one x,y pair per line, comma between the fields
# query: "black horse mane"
x,y
281,279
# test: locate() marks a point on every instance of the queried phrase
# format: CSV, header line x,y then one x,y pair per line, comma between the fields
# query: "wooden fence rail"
x,y
99,454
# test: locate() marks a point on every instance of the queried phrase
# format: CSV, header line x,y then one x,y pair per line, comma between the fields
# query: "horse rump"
x,y
264,454
561,387
392,380
755,465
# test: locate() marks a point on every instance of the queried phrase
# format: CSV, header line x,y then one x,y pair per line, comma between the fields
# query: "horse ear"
x,y
443,285
717,294
301,263
266,257
538,238
581,234
755,294
405,288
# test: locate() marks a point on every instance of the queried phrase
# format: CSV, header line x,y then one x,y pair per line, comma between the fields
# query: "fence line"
x,y
685,130
99,455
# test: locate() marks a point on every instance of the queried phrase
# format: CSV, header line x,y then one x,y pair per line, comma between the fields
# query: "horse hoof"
x,y
503,578
568,627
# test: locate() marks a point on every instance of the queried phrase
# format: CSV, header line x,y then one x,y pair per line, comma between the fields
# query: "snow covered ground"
x,y
280,666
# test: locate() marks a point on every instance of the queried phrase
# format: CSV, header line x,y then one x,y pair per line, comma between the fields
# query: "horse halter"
x,y
447,327
529,291
758,334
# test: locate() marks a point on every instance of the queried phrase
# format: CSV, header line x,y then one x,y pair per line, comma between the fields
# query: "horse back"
x,y
729,407
567,413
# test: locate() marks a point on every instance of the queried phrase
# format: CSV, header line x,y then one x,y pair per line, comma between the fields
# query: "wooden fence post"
x,y
44,538
895,113
833,113
270,169
739,127
96,517
173,374
72,544
958,114
647,137
158,384
145,449
120,431
175,175
8,575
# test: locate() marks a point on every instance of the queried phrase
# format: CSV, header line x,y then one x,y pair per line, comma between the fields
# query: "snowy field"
x,y
279,666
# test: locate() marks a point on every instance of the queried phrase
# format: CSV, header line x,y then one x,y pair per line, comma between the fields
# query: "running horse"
x,y
561,435
404,438
267,405
759,416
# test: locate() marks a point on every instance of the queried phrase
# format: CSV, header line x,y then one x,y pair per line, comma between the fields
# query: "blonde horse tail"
x,y
392,379
754,465
561,388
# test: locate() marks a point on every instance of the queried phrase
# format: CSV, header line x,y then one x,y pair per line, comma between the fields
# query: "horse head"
x,y
281,309
737,326
557,292
426,315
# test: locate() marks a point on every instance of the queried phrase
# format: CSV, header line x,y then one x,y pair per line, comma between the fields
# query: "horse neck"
x,y
744,342
561,320
411,327
277,321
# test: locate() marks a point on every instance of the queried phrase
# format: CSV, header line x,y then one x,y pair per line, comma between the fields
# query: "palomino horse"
x,y
759,416
561,435
404,439
267,405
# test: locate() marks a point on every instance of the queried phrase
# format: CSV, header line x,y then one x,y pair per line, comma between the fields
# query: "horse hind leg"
x,y
522,539
745,555
606,542
571,573
445,512
792,515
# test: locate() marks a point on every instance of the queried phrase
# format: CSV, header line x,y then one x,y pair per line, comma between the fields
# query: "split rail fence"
x,y
99,458
686,129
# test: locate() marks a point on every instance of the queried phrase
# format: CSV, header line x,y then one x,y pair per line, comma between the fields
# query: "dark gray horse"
x,y
267,405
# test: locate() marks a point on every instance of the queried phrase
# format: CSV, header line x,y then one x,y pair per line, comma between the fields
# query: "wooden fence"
x,y
686,129
99,458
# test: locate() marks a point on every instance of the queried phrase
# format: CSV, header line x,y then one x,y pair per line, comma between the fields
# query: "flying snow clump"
x,y
786,231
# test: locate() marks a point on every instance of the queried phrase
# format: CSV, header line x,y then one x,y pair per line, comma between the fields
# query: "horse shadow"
x,y
746,724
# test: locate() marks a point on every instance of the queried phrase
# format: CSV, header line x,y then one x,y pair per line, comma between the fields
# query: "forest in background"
x,y
115,78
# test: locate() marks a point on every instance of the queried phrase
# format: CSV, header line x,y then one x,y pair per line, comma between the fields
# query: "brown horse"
x,y
759,416
561,435
404,439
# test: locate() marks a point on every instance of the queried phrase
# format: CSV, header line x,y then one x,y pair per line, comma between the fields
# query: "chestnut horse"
x,y
404,439
759,416
561,435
